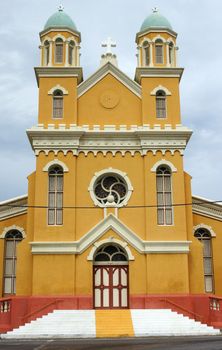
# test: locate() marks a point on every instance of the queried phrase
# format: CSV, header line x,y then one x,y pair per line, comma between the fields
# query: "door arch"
x,y
110,278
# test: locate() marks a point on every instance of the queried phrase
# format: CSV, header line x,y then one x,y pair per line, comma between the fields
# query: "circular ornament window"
x,y
110,188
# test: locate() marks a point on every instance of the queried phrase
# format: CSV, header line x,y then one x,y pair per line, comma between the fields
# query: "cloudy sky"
x,y
199,27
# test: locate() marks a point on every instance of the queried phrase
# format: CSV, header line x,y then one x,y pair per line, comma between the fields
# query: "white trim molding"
x,y
13,207
13,227
111,171
125,233
158,37
109,138
163,162
57,87
208,228
56,162
110,240
207,208
158,88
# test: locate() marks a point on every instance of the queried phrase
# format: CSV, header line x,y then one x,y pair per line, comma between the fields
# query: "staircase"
x,y
110,323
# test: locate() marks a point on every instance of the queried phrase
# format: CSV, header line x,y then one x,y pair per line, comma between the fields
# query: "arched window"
x,y
12,238
71,51
159,51
59,50
146,56
164,196
204,236
171,55
46,52
57,104
111,254
55,196
161,104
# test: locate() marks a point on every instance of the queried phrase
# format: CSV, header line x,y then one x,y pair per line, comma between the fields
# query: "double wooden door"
x,y
110,286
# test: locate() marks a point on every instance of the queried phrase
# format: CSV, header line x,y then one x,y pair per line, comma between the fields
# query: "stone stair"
x,y
110,323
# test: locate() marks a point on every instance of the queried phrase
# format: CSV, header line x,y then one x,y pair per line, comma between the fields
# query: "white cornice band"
x,y
112,139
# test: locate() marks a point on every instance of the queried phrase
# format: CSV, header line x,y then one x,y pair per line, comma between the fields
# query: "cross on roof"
x,y
155,9
108,43
60,7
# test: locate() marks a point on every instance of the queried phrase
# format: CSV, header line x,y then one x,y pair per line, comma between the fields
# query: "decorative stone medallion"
x,y
109,99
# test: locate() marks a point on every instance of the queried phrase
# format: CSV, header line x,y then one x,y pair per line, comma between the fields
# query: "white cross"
x,y
109,44
155,9
61,7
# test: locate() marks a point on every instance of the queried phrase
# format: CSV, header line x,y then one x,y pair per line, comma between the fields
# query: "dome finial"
x,y
60,8
155,9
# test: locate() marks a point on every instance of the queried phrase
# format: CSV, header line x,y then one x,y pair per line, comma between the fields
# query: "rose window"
x,y
110,188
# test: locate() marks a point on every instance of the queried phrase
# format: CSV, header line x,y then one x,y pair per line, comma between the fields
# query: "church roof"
x,y
60,20
155,20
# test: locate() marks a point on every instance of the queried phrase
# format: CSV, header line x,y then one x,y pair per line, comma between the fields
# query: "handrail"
x,y
5,299
183,309
40,309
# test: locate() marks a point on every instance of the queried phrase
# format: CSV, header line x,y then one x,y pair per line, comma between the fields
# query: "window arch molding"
x,y
110,171
206,227
162,88
54,163
107,241
163,162
13,228
159,37
59,36
58,87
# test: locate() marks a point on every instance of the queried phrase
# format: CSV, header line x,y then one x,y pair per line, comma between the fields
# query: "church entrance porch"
x,y
110,278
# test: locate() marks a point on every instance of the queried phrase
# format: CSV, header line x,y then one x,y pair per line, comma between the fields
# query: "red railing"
x,y
215,303
184,310
39,310
5,305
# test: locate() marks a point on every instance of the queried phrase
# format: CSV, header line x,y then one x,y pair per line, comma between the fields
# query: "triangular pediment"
x,y
111,222
109,68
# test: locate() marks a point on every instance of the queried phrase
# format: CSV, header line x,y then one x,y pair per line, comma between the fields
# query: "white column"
x,y
151,54
41,55
77,55
138,56
175,56
50,53
168,54
67,53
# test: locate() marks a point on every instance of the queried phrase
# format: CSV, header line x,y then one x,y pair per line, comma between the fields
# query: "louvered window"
x,y
71,51
159,51
57,104
204,236
160,104
59,51
55,210
164,196
12,238
146,56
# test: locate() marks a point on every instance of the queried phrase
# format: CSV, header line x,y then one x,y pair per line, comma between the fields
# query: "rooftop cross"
x,y
109,44
60,7
155,9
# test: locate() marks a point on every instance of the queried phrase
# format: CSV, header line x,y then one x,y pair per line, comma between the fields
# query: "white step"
x,y
82,323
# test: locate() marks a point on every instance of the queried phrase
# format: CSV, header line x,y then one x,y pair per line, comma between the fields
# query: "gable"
x,y
109,101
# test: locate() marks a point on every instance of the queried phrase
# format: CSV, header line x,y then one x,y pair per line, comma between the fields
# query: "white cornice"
x,y
147,72
109,139
205,207
127,235
43,72
109,68
8,208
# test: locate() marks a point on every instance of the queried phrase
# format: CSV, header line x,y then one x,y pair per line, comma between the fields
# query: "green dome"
x,y
60,20
156,20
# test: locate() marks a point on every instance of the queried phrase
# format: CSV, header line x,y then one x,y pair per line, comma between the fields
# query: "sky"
x,y
199,28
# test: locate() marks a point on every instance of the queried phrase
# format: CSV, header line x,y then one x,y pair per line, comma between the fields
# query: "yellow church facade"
x,y
109,220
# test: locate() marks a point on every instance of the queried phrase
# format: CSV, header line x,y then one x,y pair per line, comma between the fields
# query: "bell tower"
x,y
157,71
59,72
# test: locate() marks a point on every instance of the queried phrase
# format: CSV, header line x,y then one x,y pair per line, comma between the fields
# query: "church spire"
x,y
109,56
